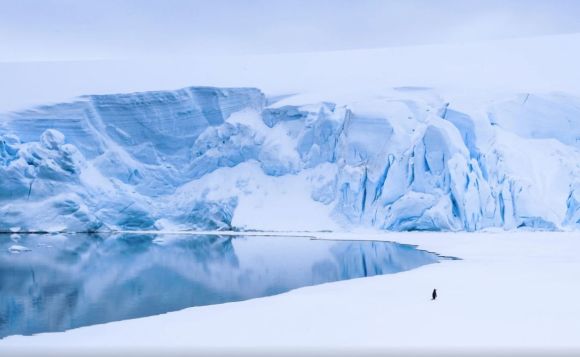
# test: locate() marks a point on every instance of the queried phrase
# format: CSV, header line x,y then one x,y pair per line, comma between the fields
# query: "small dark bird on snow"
x,y
434,295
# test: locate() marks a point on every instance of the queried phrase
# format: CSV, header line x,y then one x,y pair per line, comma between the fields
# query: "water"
x,y
58,282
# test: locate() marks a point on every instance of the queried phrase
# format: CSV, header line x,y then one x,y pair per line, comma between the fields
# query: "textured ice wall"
x,y
121,153
210,158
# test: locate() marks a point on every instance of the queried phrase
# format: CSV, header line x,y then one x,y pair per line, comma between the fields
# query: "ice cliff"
x,y
220,158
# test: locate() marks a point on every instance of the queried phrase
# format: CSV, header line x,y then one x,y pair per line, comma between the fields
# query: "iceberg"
x,y
231,158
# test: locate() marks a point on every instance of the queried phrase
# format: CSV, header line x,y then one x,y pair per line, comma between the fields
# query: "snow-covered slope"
x,y
211,158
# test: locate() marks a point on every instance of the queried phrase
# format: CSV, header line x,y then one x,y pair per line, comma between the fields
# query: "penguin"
x,y
434,295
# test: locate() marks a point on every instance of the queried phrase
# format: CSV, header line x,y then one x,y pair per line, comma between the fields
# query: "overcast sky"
x,y
108,29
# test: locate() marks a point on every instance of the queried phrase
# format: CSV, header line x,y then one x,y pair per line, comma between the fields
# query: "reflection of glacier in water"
x,y
67,281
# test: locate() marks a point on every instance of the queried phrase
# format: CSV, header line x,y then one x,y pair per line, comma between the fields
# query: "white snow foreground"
x,y
211,158
511,293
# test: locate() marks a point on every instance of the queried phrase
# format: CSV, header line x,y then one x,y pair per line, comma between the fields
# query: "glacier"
x,y
205,158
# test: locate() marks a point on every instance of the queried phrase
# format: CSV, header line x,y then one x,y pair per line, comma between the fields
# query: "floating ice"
x,y
17,249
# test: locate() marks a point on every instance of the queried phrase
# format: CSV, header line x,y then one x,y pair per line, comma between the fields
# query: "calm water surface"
x,y
57,282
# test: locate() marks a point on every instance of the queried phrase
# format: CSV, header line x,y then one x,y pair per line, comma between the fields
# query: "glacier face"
x,y
213,158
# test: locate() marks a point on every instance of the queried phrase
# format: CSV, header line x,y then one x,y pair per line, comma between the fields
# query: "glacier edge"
x,y
227,158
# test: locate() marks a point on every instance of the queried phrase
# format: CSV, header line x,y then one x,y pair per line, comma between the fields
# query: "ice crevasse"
x,y
231,158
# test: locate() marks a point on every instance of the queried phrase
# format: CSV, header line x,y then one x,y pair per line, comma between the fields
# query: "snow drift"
x,y
223,158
